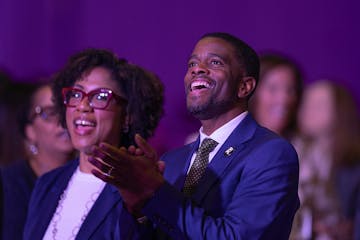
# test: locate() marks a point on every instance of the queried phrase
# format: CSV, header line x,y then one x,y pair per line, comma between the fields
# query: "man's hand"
x,y
136,172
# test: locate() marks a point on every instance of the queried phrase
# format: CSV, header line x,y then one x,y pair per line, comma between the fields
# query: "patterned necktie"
x,y
199,165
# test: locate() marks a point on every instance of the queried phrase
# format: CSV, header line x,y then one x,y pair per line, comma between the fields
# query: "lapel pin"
x,y
229,151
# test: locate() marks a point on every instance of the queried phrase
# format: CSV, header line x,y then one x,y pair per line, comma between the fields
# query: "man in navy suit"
x,y
249,187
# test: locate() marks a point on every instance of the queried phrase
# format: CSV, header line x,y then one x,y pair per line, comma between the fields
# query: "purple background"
x,y
37,37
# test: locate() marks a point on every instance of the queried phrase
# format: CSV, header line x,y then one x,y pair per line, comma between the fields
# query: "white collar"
x,y
222,133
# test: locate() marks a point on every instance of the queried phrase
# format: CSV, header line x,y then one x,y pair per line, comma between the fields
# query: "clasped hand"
x,y
136,172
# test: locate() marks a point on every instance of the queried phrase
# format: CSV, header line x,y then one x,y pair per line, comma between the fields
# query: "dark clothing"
x,y
18,182
100,223
248,191
348,189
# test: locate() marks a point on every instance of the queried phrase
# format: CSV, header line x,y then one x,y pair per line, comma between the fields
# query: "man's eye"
x,y
216,62
191,64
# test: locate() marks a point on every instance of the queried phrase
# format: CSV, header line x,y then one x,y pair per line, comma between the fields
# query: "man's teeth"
x,y
84,123
199,85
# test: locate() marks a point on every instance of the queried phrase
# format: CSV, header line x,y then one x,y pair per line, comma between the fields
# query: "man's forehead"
x,y
213,46
213,42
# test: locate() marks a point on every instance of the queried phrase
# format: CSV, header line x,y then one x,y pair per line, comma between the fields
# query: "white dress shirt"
x,y
219,135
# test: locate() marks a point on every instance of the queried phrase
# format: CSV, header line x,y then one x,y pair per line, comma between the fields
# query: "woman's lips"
x,y
84,126
84,123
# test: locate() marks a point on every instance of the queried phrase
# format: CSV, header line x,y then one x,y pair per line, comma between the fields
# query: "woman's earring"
x,y
33,149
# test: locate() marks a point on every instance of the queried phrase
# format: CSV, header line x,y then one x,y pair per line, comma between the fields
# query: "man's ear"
x,y
246,87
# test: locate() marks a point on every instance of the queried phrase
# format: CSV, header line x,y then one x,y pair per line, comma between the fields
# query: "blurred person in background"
x,y
9,149
276,99
5,82
47,146
328,145
101,99
12,95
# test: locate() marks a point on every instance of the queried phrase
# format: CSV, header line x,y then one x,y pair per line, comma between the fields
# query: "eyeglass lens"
x,y
46,113
97,99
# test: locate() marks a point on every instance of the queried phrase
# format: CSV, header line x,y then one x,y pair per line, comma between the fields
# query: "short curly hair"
x,y
143,90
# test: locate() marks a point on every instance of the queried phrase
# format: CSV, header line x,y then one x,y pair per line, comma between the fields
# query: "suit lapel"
x,y
226,154
180,161
52,196
103,206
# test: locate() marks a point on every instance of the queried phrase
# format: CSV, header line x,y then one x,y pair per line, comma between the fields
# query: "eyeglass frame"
x,y
43,113
112,95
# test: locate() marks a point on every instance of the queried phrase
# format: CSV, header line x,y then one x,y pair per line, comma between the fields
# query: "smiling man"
x,y
238,180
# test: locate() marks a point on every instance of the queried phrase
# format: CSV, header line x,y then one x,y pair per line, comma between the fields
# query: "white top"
x,y
219,135
75,203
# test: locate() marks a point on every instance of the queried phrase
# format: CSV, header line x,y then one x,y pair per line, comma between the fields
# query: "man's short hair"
x,y
246,56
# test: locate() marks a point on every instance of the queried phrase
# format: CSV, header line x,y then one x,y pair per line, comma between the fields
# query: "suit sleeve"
x,y
262,207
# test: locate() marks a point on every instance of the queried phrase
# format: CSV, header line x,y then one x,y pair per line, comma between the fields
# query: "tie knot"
x,y
207,145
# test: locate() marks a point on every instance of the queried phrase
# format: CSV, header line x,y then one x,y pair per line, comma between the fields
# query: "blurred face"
x,y
317,113
276,99
89,126
212,79
44,130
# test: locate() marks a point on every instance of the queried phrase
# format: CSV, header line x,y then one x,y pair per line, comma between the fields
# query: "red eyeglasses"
x,y
98,98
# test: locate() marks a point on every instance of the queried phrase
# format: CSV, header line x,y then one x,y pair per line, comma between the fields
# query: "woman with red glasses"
x,y
47,146
100,99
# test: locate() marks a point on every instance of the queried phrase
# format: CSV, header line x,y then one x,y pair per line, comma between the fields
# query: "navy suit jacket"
x,y
249,192
18,181
101,222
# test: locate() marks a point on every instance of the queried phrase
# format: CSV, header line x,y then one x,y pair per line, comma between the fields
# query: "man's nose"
x,y
200,68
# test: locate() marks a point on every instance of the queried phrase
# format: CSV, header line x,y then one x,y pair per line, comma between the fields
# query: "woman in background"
x,y
47,146
100,99
276,99
328,145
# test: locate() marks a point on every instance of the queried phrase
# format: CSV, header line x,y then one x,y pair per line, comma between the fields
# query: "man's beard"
x,y
211,108
200,112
